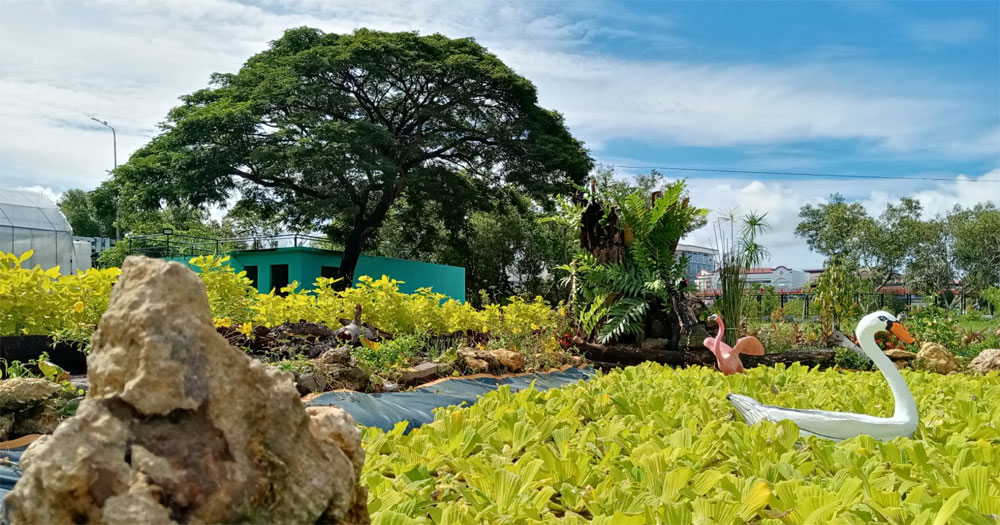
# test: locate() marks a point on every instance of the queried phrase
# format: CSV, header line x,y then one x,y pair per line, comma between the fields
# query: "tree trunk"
x,y
364,226
349,261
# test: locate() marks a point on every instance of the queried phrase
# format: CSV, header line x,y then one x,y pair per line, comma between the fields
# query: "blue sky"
x,y
904,89
948,52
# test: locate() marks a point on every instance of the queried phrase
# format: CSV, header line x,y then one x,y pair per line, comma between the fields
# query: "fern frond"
x,y
625,317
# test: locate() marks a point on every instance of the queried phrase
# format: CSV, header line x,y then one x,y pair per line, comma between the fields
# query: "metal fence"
x,y
873,300
169,244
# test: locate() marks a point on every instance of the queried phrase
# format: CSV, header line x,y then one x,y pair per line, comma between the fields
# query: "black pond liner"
x,y
385,410
417,406
24,348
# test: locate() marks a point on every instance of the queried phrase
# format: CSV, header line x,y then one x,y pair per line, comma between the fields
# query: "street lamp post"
x,y
114,143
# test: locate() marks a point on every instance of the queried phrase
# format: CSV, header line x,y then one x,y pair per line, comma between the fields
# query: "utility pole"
x,y
114,143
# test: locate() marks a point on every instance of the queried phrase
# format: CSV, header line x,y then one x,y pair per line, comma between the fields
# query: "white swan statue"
x,y
844,425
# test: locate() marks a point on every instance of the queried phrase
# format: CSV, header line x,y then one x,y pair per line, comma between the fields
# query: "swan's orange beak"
x,y
899,331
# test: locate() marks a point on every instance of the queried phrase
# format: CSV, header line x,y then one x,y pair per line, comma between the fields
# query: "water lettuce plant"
x,y
650,444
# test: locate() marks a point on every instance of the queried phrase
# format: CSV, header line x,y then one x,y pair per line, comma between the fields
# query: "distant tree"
x,y
960,245
931,271
75,205
848,236
506,246
182,219
509,244
976,235
329,131
834,229
889,242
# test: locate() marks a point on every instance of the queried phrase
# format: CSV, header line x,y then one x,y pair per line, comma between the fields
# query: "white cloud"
x,y
781,201
948,31
745,104
46,191
127,61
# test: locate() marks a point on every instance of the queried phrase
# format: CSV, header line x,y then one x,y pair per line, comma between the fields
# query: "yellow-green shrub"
x,y
30,302
36,301
650,444
88,293
43,302
230,295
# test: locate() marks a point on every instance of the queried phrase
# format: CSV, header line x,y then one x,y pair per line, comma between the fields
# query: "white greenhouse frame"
x,y
30,221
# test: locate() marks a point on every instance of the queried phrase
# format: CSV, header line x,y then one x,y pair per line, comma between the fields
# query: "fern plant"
x,y
628,291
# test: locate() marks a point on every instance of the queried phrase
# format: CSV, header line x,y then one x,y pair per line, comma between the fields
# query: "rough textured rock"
x,y
311,382
335,356
694,339
22,392
339,376
29,406
986,361
479,361
512,361
178,426
6,424
420,373
655,343
897,354
937,358
40,419
477,365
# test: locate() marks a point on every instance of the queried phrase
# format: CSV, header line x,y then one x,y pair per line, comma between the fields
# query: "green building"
x,y
275,262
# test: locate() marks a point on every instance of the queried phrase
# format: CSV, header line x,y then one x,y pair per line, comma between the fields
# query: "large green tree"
x,y
76,206
833,229
975,232
328,131
888,243
845,233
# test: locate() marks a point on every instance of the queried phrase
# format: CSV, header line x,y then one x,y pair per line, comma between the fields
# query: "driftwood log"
x,y
621,355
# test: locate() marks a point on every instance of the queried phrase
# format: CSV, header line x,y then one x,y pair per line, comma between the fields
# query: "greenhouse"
x,y
30,221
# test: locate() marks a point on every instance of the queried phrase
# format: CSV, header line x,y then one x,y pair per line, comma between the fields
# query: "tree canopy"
x,y
328,131
931,253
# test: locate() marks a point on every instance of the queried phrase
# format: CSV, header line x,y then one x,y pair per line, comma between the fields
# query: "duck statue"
x,y
843,425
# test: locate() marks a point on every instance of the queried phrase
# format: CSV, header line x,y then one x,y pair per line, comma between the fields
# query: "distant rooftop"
x,y
695,249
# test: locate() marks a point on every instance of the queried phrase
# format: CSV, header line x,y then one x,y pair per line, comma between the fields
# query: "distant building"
x,y
274,262
705,281
699,259
782,278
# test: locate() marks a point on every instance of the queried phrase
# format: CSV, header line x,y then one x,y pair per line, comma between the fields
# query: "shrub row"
x,y
41,302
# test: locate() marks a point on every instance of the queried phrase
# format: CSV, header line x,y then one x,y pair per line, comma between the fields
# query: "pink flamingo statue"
x,y
729,358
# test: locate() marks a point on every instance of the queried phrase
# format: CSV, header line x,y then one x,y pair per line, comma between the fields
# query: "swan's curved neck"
x,y
906,407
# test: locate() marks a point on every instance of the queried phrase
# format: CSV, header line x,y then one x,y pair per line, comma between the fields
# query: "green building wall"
x,y
305,265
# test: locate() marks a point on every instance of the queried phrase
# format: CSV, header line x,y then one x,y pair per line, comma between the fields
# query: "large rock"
x,y
178,426
986,361
937,358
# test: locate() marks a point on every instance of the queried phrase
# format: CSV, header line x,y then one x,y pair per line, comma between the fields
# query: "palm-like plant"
x,y
738,250
626,292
